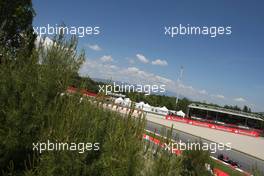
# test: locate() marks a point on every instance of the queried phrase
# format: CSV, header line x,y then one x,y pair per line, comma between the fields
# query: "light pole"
x,y
178,82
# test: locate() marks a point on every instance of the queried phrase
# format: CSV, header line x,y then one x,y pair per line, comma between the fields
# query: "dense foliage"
x,y
85,83
16,31
32,110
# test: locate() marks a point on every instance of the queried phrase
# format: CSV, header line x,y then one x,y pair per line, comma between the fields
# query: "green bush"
x,y
33,110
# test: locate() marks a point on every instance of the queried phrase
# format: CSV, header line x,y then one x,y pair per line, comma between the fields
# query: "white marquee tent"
x,y
119,100
127,102
163,110
180,113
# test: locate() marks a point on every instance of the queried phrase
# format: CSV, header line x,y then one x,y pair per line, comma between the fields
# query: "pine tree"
x,y
16,26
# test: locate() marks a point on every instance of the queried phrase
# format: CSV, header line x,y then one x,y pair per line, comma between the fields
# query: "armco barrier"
x,y
218,172
252,133
157,142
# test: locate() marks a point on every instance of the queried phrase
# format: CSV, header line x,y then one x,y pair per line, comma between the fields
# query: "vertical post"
x,y
188,111
246,122
178,81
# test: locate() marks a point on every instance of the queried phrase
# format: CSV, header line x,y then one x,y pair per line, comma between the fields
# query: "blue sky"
x,y
226,70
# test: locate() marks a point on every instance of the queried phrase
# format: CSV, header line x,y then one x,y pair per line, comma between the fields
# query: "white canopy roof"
x,y
141,103
180,113
163,108
147,105
119,100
